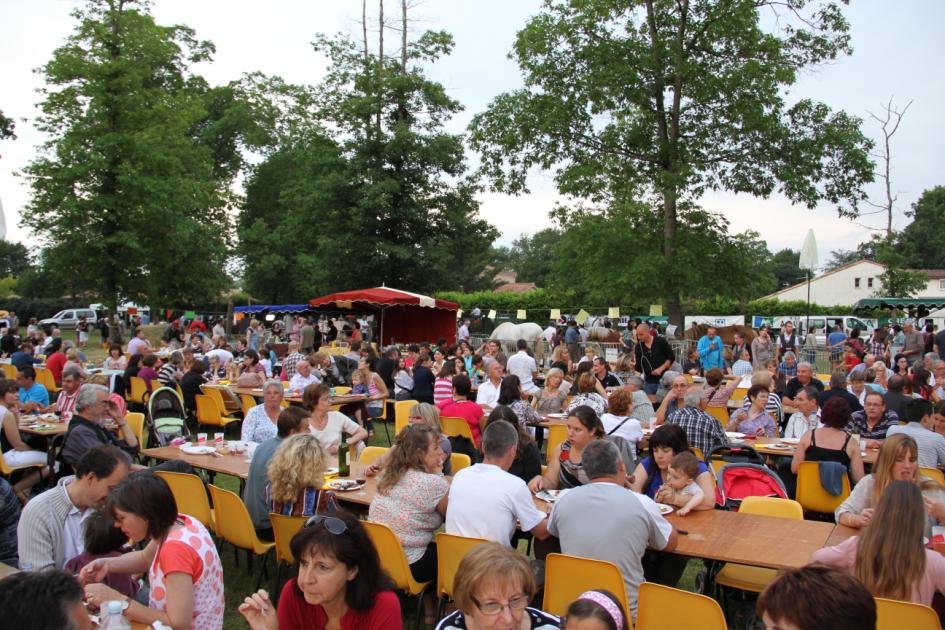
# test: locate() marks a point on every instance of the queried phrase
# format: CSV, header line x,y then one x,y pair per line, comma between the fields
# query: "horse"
x,y
507,333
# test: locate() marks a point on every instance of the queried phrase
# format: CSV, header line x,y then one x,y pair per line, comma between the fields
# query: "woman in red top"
x,y
459,406
340,583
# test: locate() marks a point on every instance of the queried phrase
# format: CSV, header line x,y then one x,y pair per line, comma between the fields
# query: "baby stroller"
x,y
166,417
739,479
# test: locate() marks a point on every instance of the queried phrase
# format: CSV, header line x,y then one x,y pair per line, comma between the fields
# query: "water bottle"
x,y
112,618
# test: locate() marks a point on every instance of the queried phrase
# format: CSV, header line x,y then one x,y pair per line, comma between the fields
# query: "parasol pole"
x,y
808,261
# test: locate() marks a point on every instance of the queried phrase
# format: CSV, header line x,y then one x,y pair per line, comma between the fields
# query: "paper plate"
x,y
344,485
791,440
735,435
777,447
557,415
665,509
551,495
190,449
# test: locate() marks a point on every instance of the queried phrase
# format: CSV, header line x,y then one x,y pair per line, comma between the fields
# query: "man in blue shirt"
x,y
33,396
572,339
835,342
710,351
24,356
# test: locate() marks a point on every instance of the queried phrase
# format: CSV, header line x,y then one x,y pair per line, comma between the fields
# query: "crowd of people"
x,y
612,482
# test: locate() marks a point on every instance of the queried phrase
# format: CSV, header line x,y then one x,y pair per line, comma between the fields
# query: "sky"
x,y
898,48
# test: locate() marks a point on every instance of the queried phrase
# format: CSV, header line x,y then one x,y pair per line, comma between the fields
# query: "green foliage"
x,y
130,192
6,127
14,258
41,308
532,256
842,257
922,242
896,281
785,265
669,99
7,286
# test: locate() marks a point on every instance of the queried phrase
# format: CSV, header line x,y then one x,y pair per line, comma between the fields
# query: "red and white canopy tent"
x,y
404,317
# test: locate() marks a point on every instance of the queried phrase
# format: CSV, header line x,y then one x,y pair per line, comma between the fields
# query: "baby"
x,y
682,479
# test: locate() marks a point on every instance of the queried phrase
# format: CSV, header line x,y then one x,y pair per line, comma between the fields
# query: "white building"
x,y
846,285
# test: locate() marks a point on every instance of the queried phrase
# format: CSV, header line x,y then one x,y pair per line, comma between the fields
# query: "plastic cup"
x,y
217,439
201,439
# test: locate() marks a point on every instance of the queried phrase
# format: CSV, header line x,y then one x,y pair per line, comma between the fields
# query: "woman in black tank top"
x,y
831,443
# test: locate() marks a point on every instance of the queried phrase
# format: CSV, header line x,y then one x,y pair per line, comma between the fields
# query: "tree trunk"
x,y
403,37
380,64
673,306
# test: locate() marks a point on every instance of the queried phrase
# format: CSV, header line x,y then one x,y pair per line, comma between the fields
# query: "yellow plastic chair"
x,y
739,393
342,390
139,390
248,403
719,413
566,577
697,452
370,454
283,529
9,370
557,434
749,578
402,414
135,422
892,614
689,378
216,395
933,473
234,525
209,414
660,607
458,461
812,496
394,562
6,470
456,427
45,378
190,495
450,550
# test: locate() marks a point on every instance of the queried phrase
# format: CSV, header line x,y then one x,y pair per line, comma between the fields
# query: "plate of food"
x,y
551,495
665,509
791,440
778,447
345,485
735,435
193,449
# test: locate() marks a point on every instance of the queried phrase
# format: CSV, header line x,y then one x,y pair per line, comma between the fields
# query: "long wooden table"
x,y
763,446
236,464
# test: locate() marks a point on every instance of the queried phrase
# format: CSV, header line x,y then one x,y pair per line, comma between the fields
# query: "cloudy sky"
x,y
898,48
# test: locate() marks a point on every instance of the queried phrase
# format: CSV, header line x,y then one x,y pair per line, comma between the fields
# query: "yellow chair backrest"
x,y
455,427
697,452
342,390
233,523
895,615
207,411
45,378
450,550
719,413
772,506
458,461
664,607
135,421
933,473
566,577
139,390
190,495
7,470
283,529
739,393
217,397
402,414
557,434
370,454
9,370
812,495
248,403
393,559
180,392
689,378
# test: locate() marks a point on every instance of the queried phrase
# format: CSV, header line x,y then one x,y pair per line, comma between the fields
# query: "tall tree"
x,y
532,257
132,187
7,127
922,242
14,258
896,281
665,99
785,265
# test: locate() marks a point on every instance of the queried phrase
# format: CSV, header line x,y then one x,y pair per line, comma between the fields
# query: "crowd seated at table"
x,y
654,407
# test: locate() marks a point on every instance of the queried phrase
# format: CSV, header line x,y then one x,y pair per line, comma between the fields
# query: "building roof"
x,y
516,287
933,274
823,275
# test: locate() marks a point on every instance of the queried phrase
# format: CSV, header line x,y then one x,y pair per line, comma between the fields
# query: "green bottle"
x,y
343,454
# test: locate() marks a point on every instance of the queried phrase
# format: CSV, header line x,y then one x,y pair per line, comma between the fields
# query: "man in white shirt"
x,y
50,530
303,376
463,334
488,393
221,352
625,523
522,365
485,501
807,417
138,344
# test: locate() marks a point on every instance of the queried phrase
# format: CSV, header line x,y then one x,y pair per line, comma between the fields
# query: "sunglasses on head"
x,y
333,524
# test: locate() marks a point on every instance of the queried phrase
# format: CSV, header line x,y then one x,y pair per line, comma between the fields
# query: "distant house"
x,y
850,283
516,287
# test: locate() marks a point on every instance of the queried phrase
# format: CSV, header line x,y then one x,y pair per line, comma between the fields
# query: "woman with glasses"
x,y
493,586
339,584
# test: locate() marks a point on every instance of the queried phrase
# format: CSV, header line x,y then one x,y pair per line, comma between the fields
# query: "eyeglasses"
x,y
495,608
333,524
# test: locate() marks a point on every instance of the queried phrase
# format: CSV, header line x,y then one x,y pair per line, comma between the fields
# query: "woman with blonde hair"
x,y
296,476
74,360
897,461
495,584
423,414
561,359
890,557
551,397
411,499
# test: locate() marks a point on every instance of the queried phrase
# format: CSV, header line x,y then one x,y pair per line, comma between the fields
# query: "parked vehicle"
x,y
68,318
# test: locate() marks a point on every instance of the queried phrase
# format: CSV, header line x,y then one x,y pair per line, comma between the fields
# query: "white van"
x,y
68,318
824,324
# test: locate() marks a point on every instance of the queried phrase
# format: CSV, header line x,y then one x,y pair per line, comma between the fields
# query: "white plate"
x,y
777,447
556,415
331,470
735,435
665,509
791,440
551,495
190,449
344,485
